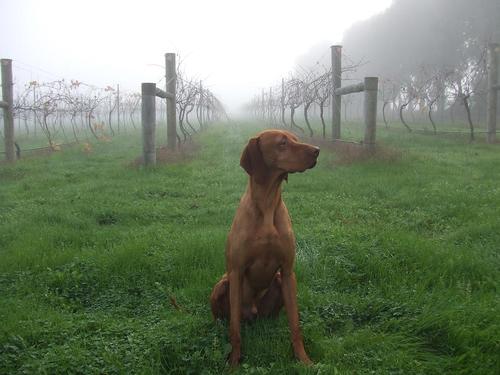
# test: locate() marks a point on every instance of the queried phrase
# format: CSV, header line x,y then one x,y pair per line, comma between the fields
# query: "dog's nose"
x,y
316,151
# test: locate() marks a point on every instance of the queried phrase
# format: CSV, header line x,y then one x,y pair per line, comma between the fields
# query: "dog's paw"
x,y
304,359
234,358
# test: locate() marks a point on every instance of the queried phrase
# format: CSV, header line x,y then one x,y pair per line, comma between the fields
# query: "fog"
x,y
235,47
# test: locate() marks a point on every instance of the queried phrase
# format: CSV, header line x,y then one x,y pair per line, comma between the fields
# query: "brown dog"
x,y
260,249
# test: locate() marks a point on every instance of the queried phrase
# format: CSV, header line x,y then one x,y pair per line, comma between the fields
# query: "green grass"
x,y
397,261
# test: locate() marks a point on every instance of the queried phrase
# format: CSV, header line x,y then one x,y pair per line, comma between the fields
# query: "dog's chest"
x,y
269,242
267,252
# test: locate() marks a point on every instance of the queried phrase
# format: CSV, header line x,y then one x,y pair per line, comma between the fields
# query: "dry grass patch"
x,y
349,152
186,152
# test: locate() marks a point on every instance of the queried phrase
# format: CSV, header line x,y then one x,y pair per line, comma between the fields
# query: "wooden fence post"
x,y
200,106
370,109
263,106
118,105
282,102
337,83
491,116
171,81
148,116
270,105
7,104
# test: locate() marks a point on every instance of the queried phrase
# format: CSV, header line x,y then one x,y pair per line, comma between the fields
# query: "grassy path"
x,y
398,261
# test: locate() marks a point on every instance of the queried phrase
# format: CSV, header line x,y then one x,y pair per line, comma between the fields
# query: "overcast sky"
x,y
235,47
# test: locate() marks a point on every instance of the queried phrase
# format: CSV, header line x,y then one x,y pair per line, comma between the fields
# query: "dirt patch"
x,y
187,151
351,152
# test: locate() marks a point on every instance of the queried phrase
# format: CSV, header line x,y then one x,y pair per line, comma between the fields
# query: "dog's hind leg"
x,y
219,299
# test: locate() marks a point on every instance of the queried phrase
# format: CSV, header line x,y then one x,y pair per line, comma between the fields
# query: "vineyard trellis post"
x,y
493,88
148,117
200,106
262,103
118,105
282,102
270,105
170,88
370,110
7,104
337,83
370,88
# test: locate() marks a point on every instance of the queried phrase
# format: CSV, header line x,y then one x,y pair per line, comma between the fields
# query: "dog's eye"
x,y
283,142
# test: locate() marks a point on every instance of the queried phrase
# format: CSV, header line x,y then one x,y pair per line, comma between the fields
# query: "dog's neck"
x,y
266,197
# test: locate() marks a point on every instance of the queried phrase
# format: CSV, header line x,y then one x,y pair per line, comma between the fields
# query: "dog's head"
x,y
277,150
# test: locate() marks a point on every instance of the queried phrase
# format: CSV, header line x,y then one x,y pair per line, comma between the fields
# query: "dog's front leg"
x,y
235,317
289,291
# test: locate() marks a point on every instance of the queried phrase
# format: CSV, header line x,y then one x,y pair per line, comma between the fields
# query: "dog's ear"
x,y
291,135
252,161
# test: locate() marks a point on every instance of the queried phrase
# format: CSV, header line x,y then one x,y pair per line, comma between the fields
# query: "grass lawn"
x,y
397,261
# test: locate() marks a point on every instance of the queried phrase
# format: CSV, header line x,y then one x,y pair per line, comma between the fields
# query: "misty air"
x,y
251,187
